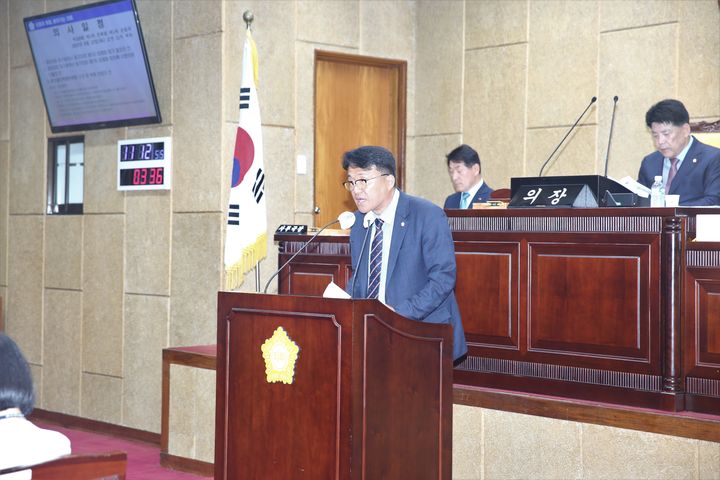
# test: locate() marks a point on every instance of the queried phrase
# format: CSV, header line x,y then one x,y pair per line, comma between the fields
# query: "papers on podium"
x,y
637,188
334,291
707,228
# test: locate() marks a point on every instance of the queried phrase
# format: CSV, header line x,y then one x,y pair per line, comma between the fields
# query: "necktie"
x,y
375,261
671,175
464,200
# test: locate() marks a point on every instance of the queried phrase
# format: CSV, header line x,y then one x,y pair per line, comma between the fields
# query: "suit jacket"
x,y
482,195
420,280
698,179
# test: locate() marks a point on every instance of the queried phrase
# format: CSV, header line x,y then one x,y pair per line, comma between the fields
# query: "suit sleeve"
x,y
711,183
643,174
438,254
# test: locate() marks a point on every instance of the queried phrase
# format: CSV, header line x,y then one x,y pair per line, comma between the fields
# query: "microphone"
x,y
346,219
367,221
592,100
612,124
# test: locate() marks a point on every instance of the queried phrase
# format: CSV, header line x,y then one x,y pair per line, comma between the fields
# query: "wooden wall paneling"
x,y
488,276
701,328
612,329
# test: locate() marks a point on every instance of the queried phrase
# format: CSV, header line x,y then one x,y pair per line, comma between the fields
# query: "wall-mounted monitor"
x,y
93,67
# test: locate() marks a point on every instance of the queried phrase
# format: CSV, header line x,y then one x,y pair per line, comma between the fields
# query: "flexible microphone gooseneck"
x,y
566,135
346,219
367,221
612,124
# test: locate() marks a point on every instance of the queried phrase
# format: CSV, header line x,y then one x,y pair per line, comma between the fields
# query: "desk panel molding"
x,y
592,376
586,224
616,305
703,259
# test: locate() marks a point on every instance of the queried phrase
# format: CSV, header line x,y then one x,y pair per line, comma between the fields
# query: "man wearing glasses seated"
x,y
401,246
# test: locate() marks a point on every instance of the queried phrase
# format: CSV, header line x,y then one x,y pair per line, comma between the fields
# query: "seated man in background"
x,y
21,442
465,173
401,246
689,168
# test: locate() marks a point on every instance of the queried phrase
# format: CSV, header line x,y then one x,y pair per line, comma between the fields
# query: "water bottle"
x,y
657,193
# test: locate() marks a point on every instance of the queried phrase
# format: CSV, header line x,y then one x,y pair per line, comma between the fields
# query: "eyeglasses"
x,y
361,183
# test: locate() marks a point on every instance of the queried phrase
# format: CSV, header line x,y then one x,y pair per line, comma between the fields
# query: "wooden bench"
x,y
198,356
88,466
681,424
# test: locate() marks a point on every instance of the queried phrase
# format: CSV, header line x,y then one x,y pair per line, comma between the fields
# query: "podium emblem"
x,y
280,354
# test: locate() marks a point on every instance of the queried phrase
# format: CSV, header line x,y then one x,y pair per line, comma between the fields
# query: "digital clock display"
x,y
132,152
144,164
142,176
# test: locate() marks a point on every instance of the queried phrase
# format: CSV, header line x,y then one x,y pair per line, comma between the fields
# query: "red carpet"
x,y
143,458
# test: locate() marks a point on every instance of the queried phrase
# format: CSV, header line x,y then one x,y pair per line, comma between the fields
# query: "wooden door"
x,y
358,101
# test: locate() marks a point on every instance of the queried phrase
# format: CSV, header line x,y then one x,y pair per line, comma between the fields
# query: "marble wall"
x,y
487,444
93,299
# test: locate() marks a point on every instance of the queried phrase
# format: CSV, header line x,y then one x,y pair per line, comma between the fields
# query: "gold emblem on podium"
x,y
280,354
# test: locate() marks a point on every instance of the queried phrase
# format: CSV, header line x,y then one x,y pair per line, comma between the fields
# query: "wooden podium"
x,y
370,394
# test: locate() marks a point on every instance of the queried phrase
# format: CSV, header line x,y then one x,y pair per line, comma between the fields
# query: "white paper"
x,y
333,291
637,188
707,228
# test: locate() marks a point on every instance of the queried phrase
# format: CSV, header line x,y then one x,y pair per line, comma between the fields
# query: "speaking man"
x,y
408,262
466,175
689,168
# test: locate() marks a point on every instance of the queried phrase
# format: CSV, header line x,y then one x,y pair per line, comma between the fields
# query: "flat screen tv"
x,y
93,67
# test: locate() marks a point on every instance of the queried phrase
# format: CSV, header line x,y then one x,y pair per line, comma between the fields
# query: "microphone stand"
x,y
612,124
566,135
360,258
296,253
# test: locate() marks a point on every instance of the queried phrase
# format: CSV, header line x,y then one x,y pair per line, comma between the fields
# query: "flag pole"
x,y
248,17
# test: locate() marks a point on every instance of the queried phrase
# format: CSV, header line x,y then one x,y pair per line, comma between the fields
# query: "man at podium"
x,y
401,246
689,168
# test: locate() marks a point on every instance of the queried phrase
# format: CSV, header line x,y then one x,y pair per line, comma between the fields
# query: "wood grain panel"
x,y
287,412
312,283
702,323
389,412
487,289
708,324
311,276
358,101
615,324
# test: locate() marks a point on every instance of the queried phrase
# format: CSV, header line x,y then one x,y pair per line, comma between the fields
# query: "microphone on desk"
x,y
346,219
592,100
367,221
612,124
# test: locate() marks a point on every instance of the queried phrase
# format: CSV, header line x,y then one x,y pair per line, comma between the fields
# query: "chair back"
x,y
500,194
707,133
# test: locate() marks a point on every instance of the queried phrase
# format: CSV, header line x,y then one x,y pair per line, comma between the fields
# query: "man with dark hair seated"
x,y
21,442
466,176
688,167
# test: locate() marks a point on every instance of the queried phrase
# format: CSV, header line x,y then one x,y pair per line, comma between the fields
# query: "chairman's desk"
x,y
615,305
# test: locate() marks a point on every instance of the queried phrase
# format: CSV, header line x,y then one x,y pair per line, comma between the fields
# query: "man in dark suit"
x,y
689,168
466,175
408,256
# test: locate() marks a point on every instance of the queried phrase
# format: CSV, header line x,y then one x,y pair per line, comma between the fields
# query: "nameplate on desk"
x,y
554,196
291,229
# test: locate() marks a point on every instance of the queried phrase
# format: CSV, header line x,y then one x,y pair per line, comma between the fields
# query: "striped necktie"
x,y
671,175
465,199
375,261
